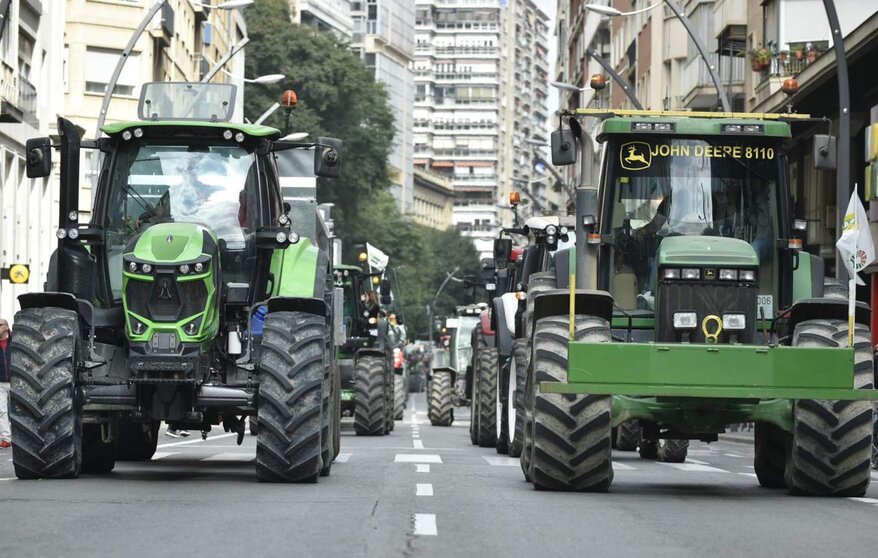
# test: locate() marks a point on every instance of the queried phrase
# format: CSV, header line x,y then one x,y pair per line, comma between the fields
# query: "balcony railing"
x,y
696,74
18,98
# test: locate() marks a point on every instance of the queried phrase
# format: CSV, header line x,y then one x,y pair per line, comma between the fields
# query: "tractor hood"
x,y
706,250
172,243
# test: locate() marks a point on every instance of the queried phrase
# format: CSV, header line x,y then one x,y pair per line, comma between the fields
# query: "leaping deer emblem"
x,y
634,156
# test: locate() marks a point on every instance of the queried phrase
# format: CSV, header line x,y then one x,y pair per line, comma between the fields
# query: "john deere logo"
x,y
635,156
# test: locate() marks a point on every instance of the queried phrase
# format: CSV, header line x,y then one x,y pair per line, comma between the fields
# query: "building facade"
x,y
384,38
324,15
433,199
31,52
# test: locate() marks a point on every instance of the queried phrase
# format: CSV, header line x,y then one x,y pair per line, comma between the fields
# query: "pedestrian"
x,y
5,373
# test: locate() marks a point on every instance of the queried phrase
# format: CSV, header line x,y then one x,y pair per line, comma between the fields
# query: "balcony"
x,y
18,98
729,13
698,90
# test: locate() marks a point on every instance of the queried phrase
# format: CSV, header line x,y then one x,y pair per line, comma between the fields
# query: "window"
x,y
99,66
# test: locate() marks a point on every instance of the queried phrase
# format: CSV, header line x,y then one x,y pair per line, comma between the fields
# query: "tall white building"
x,y
384,38
457,107
325,15
31,49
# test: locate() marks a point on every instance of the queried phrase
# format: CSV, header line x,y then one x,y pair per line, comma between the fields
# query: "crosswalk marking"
x,y
417,444
424,490
696,467
425,524
422,468
415,458
343,457
498,461
240,457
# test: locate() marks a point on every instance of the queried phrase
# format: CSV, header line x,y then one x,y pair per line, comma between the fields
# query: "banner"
x,y
855,245
377,259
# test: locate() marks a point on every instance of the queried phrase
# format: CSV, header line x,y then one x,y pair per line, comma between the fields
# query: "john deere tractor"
x,y
694,307
368,383
192,295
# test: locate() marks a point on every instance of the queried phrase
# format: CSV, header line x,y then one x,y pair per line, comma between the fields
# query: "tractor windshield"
x,y
214,186
661,187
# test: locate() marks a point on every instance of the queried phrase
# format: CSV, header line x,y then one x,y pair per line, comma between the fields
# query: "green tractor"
x,y
153,309
696,308
450,385
365,359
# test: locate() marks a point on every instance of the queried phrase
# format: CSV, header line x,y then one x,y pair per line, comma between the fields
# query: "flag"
x,y
855,245
377,258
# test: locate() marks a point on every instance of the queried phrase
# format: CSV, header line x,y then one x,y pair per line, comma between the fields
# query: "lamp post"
x,y
265,80
448,277
672,4
126,52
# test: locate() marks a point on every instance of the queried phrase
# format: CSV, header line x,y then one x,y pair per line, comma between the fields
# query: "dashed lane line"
x,y
417,444
239,457
623,467
422,468
498,461
343,457
871,501
425,524
423,489
696,467
415,458
197,440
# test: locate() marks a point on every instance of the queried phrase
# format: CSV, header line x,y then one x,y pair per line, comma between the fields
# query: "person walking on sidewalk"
x,y
5,364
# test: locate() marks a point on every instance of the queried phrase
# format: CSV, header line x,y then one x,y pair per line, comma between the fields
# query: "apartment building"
x,y
324,15
31,53
433,199
524,112
384,38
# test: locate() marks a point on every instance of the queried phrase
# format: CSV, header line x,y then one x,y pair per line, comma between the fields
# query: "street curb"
x,y
736,438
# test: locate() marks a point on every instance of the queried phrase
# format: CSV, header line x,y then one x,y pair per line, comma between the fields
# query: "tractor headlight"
x,y
728,274
199,267
184,269
747,275
734,322
146,268
670,273
132,267
551,230
690,273
685,320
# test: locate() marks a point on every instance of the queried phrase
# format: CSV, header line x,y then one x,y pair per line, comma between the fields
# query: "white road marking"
x,y
343,457
502,461
622,467
240,457
422,468
198,440
163,454
874,476
414,458
462,423
695,467
872,501
710,451
424,490
418,444
733,455
748,475
416,436
11,478
696,461
425,524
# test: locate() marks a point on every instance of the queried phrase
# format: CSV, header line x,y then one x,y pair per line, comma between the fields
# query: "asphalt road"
x,y
423,491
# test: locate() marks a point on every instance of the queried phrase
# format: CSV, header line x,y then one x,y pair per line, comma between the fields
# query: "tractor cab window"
x,y
214,186
664,187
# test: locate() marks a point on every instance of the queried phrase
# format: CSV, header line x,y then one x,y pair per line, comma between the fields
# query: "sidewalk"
x,y
742,436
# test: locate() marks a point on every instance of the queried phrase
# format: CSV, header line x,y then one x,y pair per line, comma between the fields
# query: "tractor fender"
x,y
297,271
485,319
505,307
451,371
823,308
308,305
91,316
562,267
370,351
556,302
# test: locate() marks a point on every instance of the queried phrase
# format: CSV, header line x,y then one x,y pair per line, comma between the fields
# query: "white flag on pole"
x,y
377,259
855,245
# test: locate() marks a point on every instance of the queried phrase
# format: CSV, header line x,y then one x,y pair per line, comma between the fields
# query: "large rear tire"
x,y
486,376
628,435
370,415
399,395
291,372
44,410
439,390
98,457
571,433
515,397
772,446
327,438
137,441
831,440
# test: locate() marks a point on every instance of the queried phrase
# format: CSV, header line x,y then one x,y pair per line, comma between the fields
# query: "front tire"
x,y
370,415
672,451
771,448
44,411
439,391
486,415
628,435
288,441
399,395
137,441
831,440
571,433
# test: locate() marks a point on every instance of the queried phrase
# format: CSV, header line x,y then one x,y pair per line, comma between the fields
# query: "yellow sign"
x,y
638,155
19,273
635,156
713,319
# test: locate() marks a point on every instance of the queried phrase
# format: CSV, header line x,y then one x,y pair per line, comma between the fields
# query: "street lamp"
x,y
108,94
672,4
265,80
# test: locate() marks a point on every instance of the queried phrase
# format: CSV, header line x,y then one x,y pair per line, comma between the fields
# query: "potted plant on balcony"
x,y
760,58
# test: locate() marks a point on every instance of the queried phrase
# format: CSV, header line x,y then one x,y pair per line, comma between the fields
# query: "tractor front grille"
x,y
705,298
165,299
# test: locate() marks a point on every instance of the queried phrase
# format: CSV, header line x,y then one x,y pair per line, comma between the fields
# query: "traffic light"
x,y
16,273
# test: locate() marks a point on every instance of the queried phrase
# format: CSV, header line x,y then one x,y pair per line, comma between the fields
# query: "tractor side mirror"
x,y
502,252
39,157
563,147
327,157
487,269
824,152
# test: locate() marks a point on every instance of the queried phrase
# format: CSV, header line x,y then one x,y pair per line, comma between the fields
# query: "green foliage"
x,y
339,97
